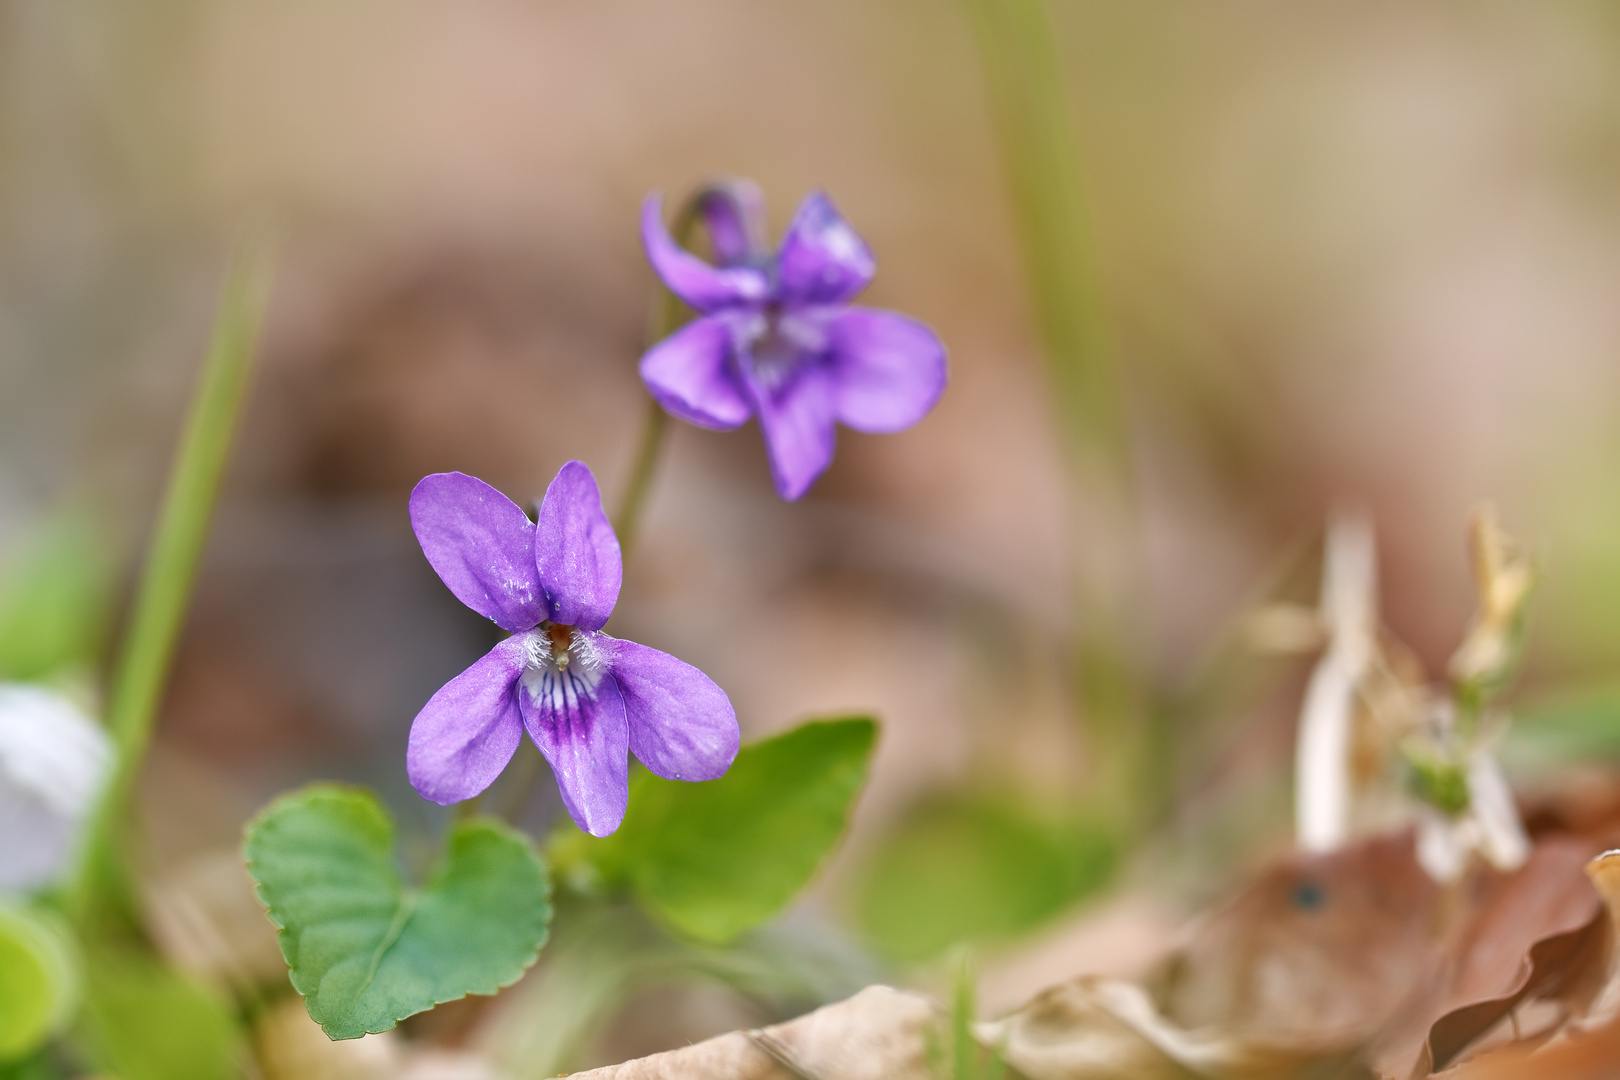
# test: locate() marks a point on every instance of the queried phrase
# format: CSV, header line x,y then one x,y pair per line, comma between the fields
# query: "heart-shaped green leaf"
x,y
717,858
365,949
39,979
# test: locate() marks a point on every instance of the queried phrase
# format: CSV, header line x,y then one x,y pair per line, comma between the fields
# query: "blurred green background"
x,y
1339,252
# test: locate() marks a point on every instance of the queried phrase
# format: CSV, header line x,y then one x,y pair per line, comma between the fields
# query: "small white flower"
x,y
1489,827
54,760
1379,745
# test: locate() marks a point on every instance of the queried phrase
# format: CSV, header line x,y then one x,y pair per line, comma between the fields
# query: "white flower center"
x,y
774,342
564,667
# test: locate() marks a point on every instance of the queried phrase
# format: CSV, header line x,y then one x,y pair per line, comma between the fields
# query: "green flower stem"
x,y
649,450
1046,184
668,313
666,316
166,582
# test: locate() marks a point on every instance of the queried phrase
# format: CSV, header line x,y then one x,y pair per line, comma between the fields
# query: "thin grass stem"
x,y
1131,758
666,316
165,587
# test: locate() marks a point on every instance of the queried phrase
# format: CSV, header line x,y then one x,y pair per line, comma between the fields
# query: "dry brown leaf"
x,y
1585,802
879,1034
1566,978
1091,1028
1290,978
1589,1047
1501,921
1324,967
1554,967
1318,954
1604,872
1591,1057
1548,896
1109,1029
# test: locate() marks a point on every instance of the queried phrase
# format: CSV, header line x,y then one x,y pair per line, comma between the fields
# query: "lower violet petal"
x,y
797,421
575,715
689,375
888,370
468,731
682,725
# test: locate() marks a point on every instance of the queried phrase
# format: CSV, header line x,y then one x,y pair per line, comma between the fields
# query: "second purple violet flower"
x,y
778,339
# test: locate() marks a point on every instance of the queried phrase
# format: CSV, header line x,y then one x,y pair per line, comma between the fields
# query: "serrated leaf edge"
x,y
409,902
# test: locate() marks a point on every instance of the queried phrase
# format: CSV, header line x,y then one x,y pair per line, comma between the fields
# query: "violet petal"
x,y
576,718
704,287
467,732
689,373
482,545
888,370
682,725
823,260
734,214
576,552
797,422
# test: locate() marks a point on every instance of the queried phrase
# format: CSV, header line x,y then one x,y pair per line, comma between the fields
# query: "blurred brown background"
x,y
1363,251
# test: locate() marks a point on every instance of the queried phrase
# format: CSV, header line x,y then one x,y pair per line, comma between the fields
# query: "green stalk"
x,y
649,450
1046,184
667,315
1042,170
166,582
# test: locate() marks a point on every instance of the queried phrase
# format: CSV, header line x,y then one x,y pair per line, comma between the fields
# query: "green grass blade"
x,y
668,315
1044,175
164,592
188,507
1042,167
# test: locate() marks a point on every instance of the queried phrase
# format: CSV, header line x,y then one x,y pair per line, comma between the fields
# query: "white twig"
x,y
1322,792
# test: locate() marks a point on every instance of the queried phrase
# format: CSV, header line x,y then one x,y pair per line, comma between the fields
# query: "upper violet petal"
x,y
704,287
823,260
796,419
689,373
682,725
734,214
576,717
888,370
467,732
482,545
576,552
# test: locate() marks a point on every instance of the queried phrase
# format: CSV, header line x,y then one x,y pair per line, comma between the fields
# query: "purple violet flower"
x,y
586,699
778,339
